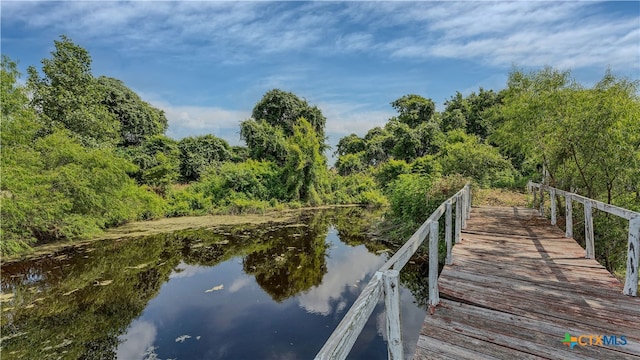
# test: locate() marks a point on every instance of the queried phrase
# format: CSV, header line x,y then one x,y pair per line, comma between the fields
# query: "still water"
x,y
272,291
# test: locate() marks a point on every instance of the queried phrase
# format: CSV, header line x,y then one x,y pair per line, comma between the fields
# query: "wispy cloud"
x,y
498,33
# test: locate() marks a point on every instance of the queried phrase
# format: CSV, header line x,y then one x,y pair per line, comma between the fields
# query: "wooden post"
x,y
468,201
568,209
434,296
535,198
633,256
458,219
447,233
552,194
392,307
541,200
464,209
588,230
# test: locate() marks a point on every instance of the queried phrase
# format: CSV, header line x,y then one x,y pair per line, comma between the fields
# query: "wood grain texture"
x,y
516,286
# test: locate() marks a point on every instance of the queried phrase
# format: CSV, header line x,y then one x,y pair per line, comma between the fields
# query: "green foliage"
x,y
158,161
473,113
348,164
264,141
197,153
305,173
379,144
357,188
186,200
413,197
138,120
465,155
69,97
61,189
251,180
414,110
588,139
282,110
390,170
427,165
351,144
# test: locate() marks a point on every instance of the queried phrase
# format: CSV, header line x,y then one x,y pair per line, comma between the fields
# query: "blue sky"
x,y
207,63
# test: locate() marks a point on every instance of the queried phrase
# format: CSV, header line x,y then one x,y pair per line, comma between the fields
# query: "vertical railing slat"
x,y
469,196
568,209
541,200
633,256
552,195
458,219
447,236
434,296
392,309
588,230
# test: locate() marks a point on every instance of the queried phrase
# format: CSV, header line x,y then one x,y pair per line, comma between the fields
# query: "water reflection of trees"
x,y
294,261
76,304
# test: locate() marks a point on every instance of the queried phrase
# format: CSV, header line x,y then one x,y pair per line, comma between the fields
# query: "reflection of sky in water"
x,y
241,320
347,267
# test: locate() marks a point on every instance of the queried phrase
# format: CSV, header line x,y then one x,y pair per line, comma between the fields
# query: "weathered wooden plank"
x,y
447,233
552,195
588,231
458,229
541,201
559,307
446,344
633,256
519,290
544,278
518,332
345,335
550,290
434,298
392,306
568,210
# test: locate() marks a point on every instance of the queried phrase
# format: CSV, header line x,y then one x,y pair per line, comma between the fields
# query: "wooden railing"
x,y
633,246
385,281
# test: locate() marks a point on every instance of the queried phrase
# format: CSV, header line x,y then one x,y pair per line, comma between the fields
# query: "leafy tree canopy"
x,y
138,120
199,152
282,109
69,97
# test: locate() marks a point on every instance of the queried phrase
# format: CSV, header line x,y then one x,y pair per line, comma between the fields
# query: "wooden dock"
x,y
517,286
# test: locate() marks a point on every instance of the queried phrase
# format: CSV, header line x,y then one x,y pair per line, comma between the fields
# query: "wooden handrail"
x,y
633,244
385,281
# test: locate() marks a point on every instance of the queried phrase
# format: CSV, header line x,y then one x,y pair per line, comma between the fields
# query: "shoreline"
x,y
162,225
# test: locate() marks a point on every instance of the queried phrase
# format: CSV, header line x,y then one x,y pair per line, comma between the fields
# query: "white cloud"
x,y
346,118
529,33
199,120
239,283
344,274
139,338
184,271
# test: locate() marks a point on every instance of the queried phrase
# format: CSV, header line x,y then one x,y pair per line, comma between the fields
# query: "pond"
x,y
269,291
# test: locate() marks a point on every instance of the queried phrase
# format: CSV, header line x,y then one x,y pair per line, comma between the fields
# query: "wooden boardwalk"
x,y
516,287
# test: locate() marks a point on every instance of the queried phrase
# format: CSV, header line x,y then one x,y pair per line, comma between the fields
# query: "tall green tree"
x,y
138,119
350,144
414,109
472,113
282,109
69,97
305,173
